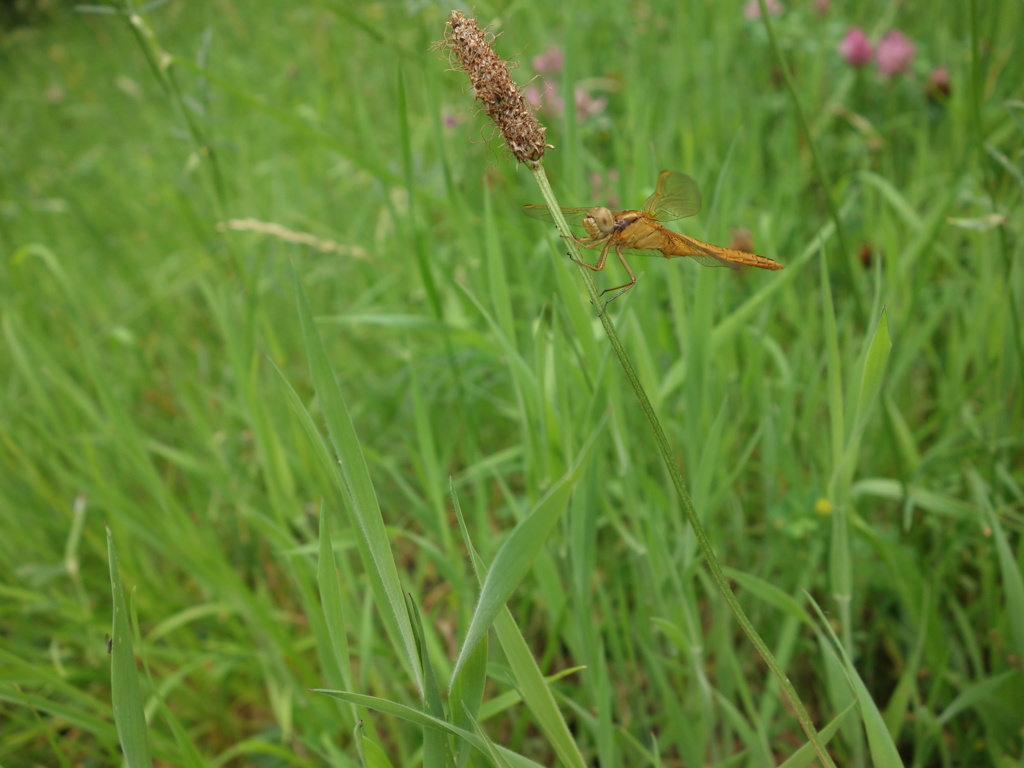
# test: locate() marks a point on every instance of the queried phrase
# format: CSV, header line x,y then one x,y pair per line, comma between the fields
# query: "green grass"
x,y
456,417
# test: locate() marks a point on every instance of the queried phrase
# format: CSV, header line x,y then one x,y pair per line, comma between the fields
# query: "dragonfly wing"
x,y
713,261
675,197
542,212
706,259
696,250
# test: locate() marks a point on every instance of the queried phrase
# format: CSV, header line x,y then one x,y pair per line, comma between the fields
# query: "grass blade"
x,y
417,717
374,546
126,693
532,686
880,743
512,563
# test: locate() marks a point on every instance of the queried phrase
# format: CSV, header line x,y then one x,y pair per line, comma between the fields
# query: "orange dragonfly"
x,y
675,197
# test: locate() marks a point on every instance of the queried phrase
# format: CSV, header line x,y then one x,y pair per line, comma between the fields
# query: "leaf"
x,y
126,693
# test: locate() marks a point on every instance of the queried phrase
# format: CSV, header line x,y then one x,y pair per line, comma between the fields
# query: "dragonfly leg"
x,y
601,259
588,242
620,288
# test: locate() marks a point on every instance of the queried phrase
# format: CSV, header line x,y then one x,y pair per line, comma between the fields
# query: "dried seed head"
x,y
470,50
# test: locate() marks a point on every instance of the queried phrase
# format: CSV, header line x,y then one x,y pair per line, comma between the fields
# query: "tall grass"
x,y
300,506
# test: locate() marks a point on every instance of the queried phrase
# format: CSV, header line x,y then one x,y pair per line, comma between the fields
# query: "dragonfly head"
x,y
599,219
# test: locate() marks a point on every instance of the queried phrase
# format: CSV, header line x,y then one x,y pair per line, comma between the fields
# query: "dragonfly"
x,y
675,197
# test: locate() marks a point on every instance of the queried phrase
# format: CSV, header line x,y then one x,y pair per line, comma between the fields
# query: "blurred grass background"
x,y
139,325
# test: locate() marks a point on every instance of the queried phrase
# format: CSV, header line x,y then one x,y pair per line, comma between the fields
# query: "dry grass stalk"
x,y
469,49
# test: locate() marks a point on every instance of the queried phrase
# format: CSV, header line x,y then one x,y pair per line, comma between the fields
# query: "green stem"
x,y
819,165
677,480
566,233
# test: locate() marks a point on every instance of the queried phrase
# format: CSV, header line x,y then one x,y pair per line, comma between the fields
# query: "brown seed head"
x,y
741,240
470,50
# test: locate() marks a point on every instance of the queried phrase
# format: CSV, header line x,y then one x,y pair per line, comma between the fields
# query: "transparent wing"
x,y
713,261
700,256
704,253
705,259
542,212
675,197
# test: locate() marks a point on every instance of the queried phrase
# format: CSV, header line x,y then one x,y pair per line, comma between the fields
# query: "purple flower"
x,y
547,100
752,10
938,86
895,54
587,106
550,62
856,48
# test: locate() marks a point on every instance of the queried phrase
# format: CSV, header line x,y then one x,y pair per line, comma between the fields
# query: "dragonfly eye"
x,y
603,219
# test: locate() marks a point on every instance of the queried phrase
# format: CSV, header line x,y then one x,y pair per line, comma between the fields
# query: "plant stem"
x,y
677,480
819,165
